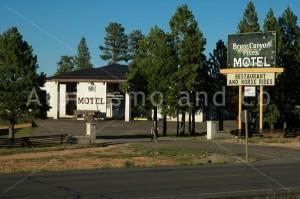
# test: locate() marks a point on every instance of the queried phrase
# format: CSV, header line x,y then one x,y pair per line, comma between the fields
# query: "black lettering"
x,y
92,100
80,100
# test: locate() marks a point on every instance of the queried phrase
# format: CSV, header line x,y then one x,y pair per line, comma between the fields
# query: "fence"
x,y
35,141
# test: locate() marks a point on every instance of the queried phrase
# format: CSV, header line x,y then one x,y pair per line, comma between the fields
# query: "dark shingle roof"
x,y
109,72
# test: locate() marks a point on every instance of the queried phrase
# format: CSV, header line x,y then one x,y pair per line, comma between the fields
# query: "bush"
x,y
272,115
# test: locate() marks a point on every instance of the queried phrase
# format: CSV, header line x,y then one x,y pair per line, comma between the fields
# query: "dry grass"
x,y
269,141
116,156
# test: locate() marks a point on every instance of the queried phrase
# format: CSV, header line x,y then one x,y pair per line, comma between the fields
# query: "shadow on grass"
x,y
141,136
138,136
3,132
24,132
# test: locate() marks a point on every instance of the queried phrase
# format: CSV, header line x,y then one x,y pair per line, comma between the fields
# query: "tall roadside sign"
x,y
251,61
251,50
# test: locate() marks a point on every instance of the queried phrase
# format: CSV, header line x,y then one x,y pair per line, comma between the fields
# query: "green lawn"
x,y
20,133
19,121
279,196
3,122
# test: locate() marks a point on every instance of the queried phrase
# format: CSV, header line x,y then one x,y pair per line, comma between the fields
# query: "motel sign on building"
x,y
88,90
95,89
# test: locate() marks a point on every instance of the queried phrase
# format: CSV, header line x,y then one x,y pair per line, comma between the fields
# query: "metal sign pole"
x,y
240,111
246,133
261,102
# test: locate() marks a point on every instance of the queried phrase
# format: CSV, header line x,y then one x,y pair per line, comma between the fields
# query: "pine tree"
x,y
156,58
189,45
133,42
17,76
83,58
272,24
135,79
216,61
115,45
66,64
249,23
287,89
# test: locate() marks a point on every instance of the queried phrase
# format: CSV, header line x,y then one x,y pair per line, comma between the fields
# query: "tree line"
x,y
173,62
117,47
167,62
82,60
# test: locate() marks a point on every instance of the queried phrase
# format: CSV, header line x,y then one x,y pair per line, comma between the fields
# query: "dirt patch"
x,y
48,154
116,156
18,126
293,143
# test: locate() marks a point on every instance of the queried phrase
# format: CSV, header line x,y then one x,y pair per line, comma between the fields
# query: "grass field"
x,y
115,156
278,196
24,132
3,122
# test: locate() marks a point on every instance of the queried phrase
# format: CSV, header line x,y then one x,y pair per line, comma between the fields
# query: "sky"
x,y
54,27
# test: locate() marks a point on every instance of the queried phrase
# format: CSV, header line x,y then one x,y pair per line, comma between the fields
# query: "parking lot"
x,y
113,127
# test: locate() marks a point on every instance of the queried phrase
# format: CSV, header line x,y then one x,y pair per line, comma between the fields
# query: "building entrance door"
x,y
71,98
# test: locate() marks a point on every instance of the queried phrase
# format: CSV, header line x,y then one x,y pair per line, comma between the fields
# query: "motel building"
x,y
95,91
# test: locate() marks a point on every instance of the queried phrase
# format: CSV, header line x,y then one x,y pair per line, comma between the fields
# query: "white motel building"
x,y
91,90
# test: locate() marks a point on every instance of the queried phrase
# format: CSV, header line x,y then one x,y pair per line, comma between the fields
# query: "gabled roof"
x,y
112,72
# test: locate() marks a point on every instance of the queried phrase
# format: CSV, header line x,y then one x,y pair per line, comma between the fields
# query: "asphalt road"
x,y
210,181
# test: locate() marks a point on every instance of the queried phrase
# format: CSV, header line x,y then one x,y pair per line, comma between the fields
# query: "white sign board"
x,y
250,91
91,96
251,79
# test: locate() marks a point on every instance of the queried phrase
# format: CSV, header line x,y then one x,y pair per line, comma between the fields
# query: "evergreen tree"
x,y
115,45
66,64
287,89
133,42
189,45
135,79
137,82
156,58
17,76
249,22
40,110
272,24
83,58
218,60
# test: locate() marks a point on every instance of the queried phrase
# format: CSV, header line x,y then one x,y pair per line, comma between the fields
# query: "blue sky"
x,y
54,27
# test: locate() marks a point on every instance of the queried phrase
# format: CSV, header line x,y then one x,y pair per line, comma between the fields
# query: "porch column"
x,y
62,100
56,100
127,107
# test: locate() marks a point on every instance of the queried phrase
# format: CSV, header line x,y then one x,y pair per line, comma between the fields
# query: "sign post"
x,y
261,106
240,110
246,133
251,61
